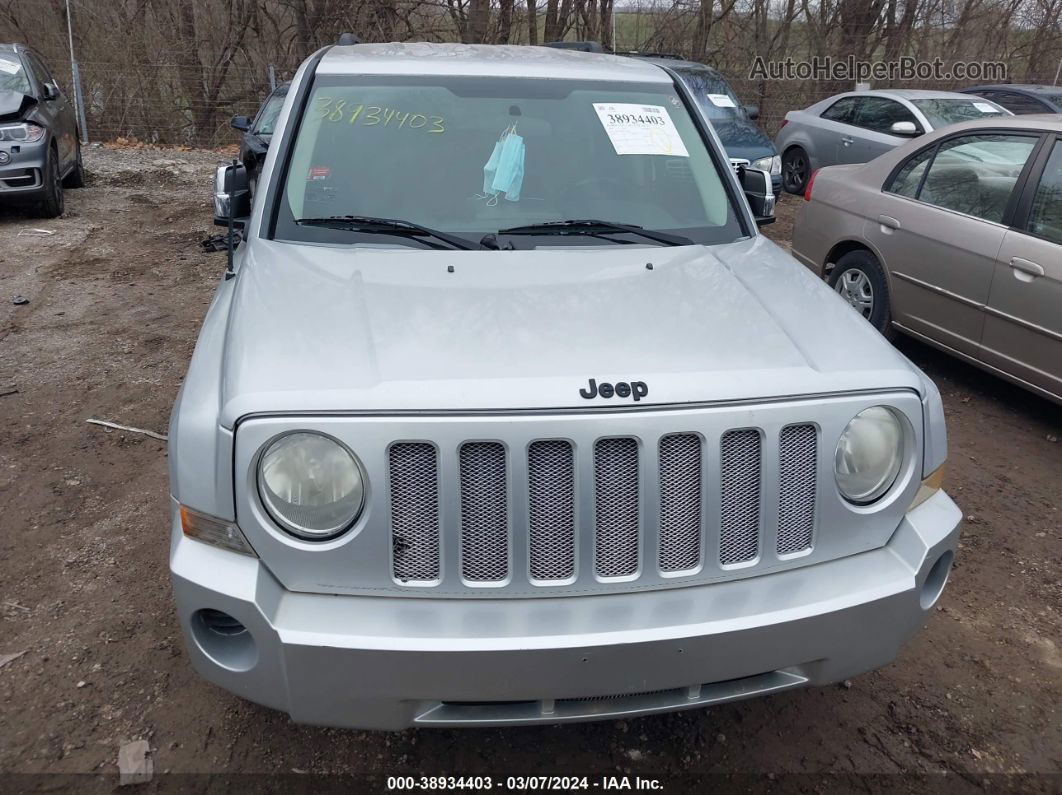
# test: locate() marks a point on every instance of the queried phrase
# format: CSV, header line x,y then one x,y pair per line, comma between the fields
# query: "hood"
x,y
320,328
14,104
743,139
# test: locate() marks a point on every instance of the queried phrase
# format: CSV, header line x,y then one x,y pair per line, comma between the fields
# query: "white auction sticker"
x,y
984,107
721,101
640,129
10,67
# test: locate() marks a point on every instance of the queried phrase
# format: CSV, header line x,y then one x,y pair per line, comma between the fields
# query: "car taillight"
x,y
811,184
783,124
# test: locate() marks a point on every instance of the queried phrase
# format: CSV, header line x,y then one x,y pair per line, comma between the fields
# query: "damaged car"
x,y
40,148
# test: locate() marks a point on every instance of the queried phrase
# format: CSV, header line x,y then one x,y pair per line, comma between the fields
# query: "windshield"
x,y
267,119
1054,99
713,94
942,112
471,156
12,75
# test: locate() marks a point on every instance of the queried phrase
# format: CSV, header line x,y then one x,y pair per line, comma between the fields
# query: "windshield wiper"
x,y
595,228
389,226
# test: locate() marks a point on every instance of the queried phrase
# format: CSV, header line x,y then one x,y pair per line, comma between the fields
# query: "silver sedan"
x,y
955,239
858,126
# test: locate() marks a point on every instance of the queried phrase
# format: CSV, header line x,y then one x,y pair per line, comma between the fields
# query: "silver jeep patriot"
x,y
505,413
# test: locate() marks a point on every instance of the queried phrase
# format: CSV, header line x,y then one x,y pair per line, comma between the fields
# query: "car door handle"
x,y
847,141
888,221
1026,266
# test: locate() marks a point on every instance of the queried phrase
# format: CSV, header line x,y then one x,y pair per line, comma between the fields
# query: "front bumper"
x,y
21,177
393,662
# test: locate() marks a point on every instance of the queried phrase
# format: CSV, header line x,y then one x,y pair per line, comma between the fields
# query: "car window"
x,y
841,110
976,174
944,111
1055,99
909,177
879,114
1019,103
444,152
267,118
13,75
713,94
39,71
1045,219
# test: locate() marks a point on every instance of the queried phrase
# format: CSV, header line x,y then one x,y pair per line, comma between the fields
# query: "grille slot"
x,y
551,515
616,507
680,502
484,512
798,469
739,521
414,475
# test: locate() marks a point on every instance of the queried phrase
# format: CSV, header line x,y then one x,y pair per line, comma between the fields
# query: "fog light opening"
x,y
223,639
937,578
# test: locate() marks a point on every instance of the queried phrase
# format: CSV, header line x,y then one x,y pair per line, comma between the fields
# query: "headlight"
x,y
770,164
311,485
869,455
21,133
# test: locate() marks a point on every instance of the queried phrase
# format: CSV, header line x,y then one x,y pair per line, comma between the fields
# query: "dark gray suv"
x,y
40,152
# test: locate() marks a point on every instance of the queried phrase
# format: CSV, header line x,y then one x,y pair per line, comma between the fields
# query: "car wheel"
x,y
52,205
76,178
796,169
859,278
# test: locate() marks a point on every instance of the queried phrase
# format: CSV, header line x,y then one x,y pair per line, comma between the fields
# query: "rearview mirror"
x,y
241,123
752,111
759,192
232,195
904,128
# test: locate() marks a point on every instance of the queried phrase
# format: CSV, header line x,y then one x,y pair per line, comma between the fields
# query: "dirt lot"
x,y
116,296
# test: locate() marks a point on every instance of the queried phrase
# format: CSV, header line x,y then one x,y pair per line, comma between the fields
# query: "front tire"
x,y
76,178
796,170
859,278
52,205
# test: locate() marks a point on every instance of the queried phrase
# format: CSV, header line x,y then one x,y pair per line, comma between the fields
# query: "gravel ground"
x,y
116,296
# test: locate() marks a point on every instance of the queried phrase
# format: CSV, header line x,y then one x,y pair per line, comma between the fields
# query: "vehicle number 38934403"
x,y
633,118
521,783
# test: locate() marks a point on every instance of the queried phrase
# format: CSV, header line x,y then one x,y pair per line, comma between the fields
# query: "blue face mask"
x,y
504,171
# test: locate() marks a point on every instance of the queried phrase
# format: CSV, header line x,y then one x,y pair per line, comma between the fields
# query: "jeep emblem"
x,y
637,389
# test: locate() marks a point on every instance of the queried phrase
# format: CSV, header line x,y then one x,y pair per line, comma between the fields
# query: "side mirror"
x,y
759,192
232,195
241,123
50,91
752,111
905,128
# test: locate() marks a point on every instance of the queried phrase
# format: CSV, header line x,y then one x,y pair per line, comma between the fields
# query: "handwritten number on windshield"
x,y
375,115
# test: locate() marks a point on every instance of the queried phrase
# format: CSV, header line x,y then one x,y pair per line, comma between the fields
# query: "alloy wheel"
x,y
796,169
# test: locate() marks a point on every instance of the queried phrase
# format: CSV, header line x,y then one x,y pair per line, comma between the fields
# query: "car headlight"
x,y
21,133
869,455
311,485
771,164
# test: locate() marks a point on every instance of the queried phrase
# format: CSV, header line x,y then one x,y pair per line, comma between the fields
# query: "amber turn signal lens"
x,y
930,486
214,531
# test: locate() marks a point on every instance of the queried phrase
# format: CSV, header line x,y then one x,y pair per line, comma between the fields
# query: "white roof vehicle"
x,y
506,413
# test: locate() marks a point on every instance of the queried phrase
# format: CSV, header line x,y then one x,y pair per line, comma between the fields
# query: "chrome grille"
x,y
551,509
414,476
484,512
739,477
680,502
616,507
798,472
